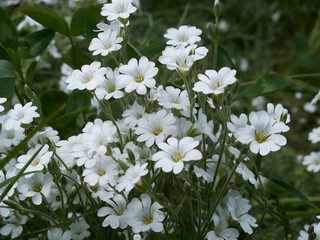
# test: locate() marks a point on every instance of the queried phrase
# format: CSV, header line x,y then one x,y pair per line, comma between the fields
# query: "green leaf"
x,y
153,50
30,72
7,77
80,56
224,60
149,33
65,119
37,42
3,53
294,192
8,32
78,99
48,18
52,100
82,16
264,85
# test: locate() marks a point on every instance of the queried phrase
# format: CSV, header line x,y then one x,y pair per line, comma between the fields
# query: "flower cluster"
x,y
173,149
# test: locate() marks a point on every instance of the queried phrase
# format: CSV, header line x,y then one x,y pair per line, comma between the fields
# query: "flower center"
x,y
183,39
119,212
260,137
108,47
87,79
147,219
94,188
36,162
157,131
215,85
37,187
177,156
10,137
102,172
111,89
139,78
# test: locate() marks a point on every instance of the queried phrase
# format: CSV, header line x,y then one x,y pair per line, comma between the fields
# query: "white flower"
x,y
246,174
109,88
221,230
155,127
103,27
79,229
20,115
133,114
118,9
11,137
238,208
131,177
314,135
184,36
304,235
181,59
103,172
215,82
175,153
143,216
42,136
262,135
14,225
174,98
58,234
2,100
237,123
137,236
87,78
36,186
137,76
278,113
106,42
39,162
312,162
115,214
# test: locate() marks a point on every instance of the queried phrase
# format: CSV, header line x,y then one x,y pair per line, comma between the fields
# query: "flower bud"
x,y
216,8
28,92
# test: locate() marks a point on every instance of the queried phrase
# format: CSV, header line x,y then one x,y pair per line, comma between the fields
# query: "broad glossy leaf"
x,y
7,77
37,42
84,15
48,18
8,32
264,85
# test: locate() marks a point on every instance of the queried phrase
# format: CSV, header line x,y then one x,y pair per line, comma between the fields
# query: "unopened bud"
x,y
28,92
311,229
216,8
137,236
284,116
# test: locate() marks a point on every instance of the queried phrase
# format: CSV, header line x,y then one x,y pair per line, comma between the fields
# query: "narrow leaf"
x,y
264,85
294,192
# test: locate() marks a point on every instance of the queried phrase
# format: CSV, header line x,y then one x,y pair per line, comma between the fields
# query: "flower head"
x,y
143,216
137,76
107,41
215,82
184,36
118,9
175,153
